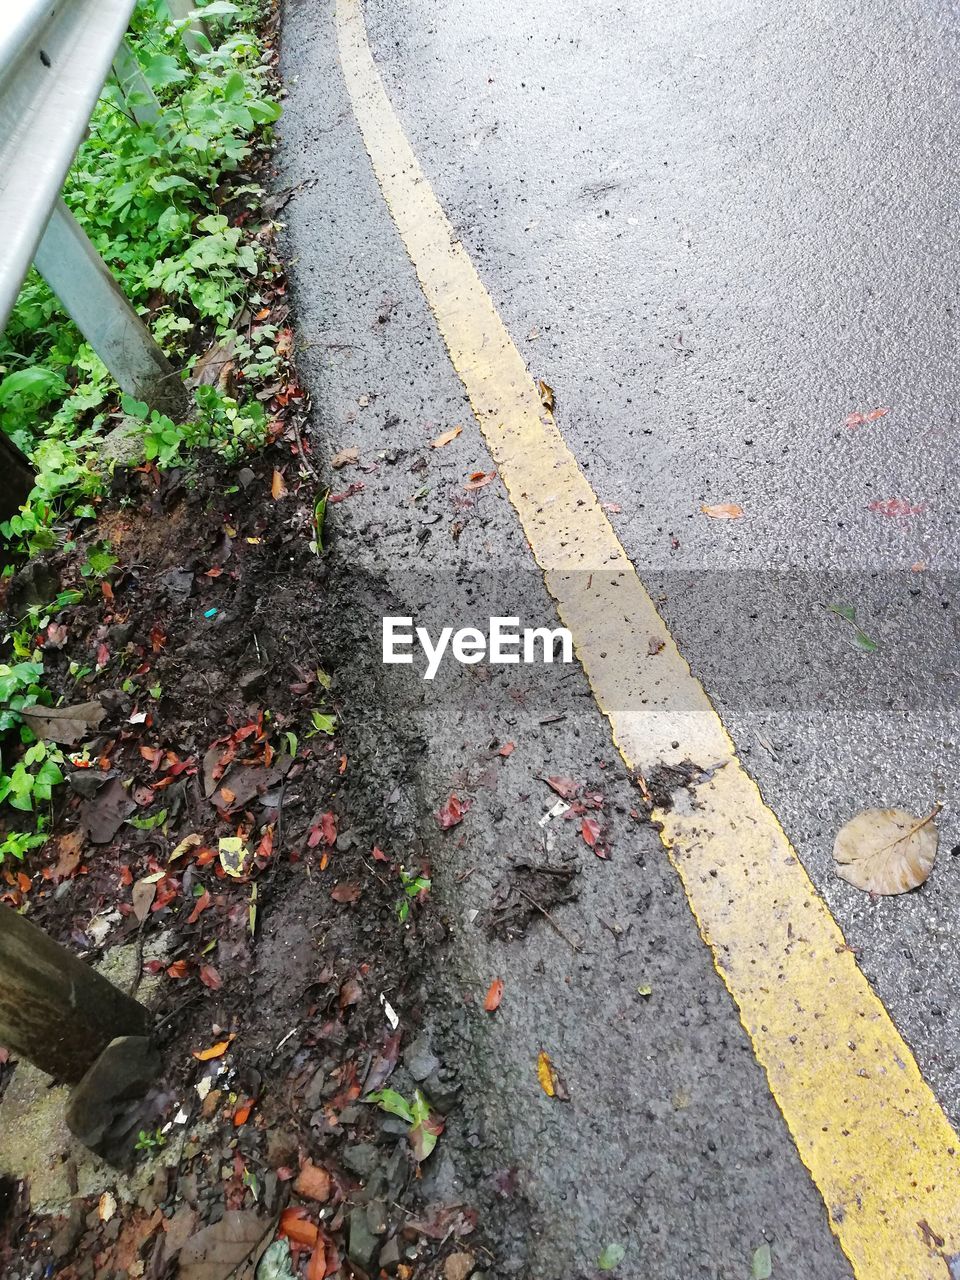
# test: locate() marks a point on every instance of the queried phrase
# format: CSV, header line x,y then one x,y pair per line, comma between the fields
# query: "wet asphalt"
x,y
716,230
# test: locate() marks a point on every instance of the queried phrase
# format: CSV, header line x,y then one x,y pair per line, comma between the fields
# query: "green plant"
x,y
164,205
150,1141
16,843
33,777
425,1127
413,886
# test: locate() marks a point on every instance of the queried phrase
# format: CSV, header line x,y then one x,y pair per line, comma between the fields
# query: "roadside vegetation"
x,y
166,201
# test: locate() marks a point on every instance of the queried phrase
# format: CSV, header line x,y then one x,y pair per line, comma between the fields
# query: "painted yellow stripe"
x,y
867,1126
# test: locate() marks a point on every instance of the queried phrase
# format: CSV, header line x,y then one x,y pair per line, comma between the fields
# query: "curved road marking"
x,y
866,1124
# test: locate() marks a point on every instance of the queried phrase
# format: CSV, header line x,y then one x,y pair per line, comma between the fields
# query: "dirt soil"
x,y
214,638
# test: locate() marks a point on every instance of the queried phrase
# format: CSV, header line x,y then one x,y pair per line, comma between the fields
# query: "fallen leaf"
x,y
107,1206
242,1113
66,725
345,891
451,812
313,1183
894,507
233,855
69,847
611,1257
216,1252
494,995
103,816
507,749
379,855
345,458
446,438
723,511
546,395
566,788
187,843
278,487
295,1224
762,1265
590,830
545,1074
886,851
142,897
480,479
874,414
210,977
215,1051
654,645
177,970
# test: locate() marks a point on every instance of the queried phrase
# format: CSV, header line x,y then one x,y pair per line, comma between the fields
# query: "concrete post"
x,y
55,1011
79,277
129,76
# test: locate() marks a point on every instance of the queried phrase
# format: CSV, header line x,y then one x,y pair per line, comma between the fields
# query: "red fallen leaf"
x,y
494,995
328,828
214,572
357,487
315,836
325,1259
342,769
210,977
853,420
566,788
480,479
874,414
894,507
379,855
167,890
178,969
126,876
590,830
202,903
296,1226
451,812
345,891
107,590
103,655
24,882
158,637
507,749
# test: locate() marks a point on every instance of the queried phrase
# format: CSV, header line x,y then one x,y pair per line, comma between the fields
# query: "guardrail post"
x,y
133,84
181,9
55,1011
92,298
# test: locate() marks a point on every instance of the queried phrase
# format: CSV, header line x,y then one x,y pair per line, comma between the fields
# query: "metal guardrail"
x,y
55,56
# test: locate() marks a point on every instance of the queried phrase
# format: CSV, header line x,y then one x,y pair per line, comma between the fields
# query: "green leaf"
x,y
762,1268
393,1102
323,723
611,1257
134,408
275,1263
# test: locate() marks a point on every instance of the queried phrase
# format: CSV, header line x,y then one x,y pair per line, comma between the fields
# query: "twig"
x,y
303,457
543,911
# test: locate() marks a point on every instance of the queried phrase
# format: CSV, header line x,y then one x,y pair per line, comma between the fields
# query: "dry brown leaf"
x,y
546,395
886,851
446,438
216,1252
345,458
313,1183
278,487
723,511
66,725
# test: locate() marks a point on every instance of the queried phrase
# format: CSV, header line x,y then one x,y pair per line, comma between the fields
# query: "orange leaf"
x,y
507,749
479,479
446,438
494,995
178,969
215,1051
107,590
278,488
296,1226
242,1113
723,511
201,904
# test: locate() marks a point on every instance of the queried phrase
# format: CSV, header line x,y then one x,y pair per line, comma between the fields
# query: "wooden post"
x,y
55,1011
16,478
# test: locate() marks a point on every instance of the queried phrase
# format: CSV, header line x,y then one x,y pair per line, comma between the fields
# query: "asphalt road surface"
x,y
717,230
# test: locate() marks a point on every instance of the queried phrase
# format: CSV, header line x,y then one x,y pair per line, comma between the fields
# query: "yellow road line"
x,y
867,1126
